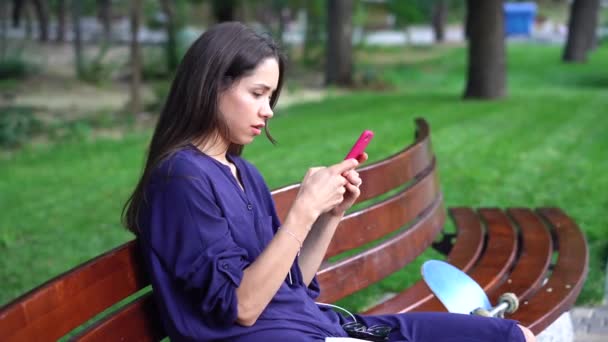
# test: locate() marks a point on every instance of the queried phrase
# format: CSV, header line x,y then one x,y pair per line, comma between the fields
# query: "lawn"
x,y
541,146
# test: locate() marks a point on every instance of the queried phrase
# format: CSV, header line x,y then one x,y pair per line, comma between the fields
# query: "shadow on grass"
x,y
592,81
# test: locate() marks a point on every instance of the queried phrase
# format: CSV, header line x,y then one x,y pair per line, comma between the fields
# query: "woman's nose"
x,y
266,111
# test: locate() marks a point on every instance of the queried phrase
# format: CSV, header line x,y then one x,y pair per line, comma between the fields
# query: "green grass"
x,y
541,146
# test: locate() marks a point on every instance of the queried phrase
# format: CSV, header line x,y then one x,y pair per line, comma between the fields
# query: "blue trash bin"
x,y
519,18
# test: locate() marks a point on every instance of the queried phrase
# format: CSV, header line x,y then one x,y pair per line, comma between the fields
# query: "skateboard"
x,y
459,293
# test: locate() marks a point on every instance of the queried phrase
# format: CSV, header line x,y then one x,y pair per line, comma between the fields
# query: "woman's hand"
x,y
323,188
352,189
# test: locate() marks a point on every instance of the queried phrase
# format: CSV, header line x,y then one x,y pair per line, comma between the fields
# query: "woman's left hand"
x,y
352,189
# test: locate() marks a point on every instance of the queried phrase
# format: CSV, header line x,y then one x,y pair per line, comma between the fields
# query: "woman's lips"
x,y
257,130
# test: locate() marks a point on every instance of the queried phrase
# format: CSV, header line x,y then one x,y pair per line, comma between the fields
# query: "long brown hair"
x,y
218,58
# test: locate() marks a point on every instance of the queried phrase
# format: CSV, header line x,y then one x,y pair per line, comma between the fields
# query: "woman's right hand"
x,y
323,188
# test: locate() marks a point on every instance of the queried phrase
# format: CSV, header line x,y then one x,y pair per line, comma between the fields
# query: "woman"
x,y
221,264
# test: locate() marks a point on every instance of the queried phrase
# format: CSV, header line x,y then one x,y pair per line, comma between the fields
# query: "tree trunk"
x,y
339,66
3,28
27,14
171,45
135,14
18,6
467,23
42,12
75,9
581,30
104,14
60,21
440,9
223,10
486,57
312,35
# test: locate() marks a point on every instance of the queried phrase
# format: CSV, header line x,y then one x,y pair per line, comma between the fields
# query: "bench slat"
x,y
567,278
470,239
361,270
372,223
70,299
380,177
137,321
497,258
463,255
534,259
492,269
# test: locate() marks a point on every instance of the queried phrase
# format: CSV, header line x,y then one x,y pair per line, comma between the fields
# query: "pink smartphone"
x,y
360,145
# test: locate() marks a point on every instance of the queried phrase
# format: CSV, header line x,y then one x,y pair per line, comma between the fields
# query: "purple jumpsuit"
x,y
199,231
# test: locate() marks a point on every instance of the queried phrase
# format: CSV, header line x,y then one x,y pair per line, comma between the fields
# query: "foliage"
x,y
420,11
314,39
154,66
409,12
95,70
369,76
161,90
17,124
14,67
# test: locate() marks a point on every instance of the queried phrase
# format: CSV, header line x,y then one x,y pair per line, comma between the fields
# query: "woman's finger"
x,y
362,158
354,189
353,178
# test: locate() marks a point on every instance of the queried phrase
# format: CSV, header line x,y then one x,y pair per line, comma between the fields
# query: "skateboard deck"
x,y
459,293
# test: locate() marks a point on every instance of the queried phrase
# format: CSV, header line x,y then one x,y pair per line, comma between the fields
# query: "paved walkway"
x,y
590,323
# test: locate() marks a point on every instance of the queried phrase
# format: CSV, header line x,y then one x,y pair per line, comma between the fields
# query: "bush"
x,y
15,68
155,65
17,124
370,77
160,90
95,70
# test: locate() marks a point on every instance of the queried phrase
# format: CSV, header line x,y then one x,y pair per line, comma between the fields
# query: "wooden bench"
x,y
540,255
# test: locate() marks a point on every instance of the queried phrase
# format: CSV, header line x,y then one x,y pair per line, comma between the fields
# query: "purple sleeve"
x,y
190,237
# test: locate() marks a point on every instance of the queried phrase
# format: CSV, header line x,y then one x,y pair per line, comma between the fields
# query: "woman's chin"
x,y
245,140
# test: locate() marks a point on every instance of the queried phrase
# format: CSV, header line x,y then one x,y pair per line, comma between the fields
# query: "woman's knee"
x,y
527,334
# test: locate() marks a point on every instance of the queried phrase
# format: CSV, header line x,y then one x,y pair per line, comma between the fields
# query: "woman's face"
x,y
245,106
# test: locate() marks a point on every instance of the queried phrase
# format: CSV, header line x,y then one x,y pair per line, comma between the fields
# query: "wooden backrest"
x,y
412,213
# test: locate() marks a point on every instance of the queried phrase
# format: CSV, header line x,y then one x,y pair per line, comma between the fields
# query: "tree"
x,y
407,13
223,10
78,57
173,23
104,8
313,40
339,55
18,6
422,11
486,53
438,19
3,29
42,12
273,14
581,30
135,16
60,11
27,14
